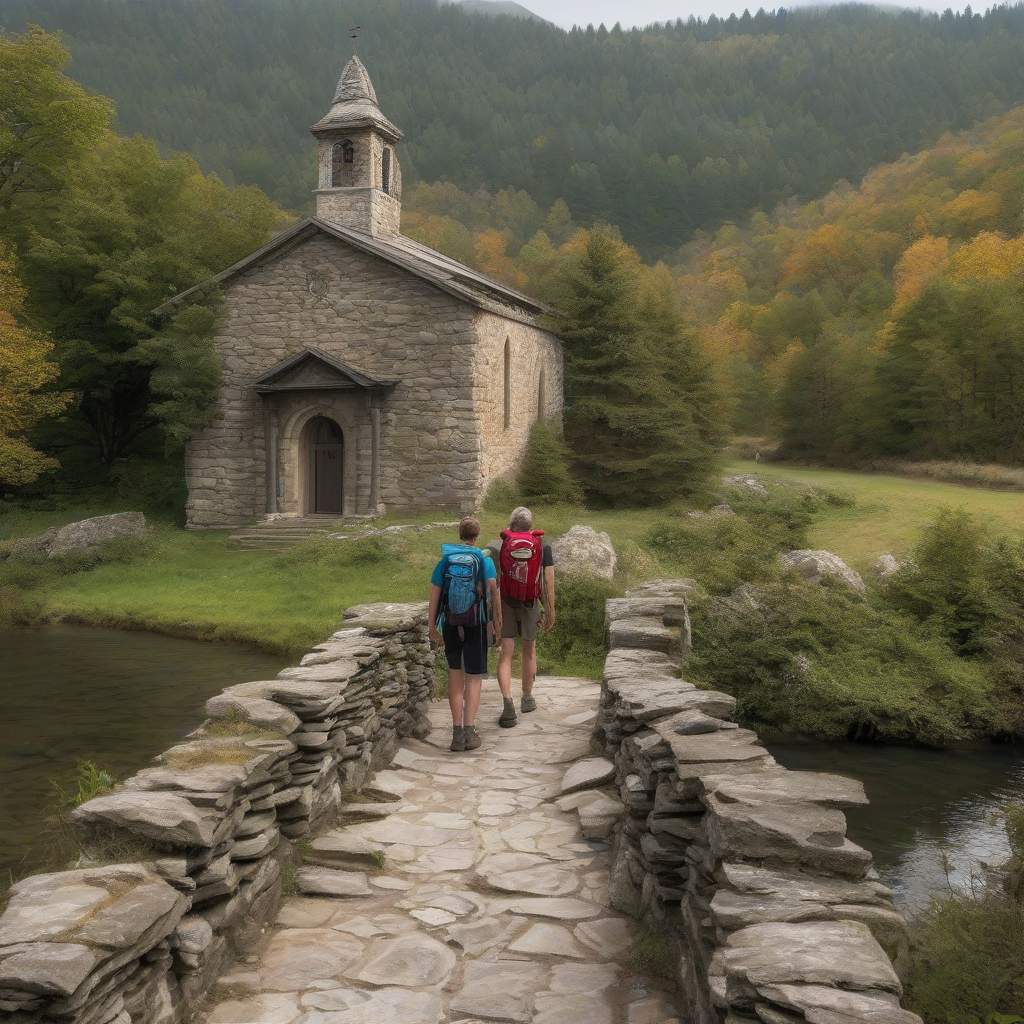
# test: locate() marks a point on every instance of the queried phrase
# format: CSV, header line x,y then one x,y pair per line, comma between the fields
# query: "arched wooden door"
x,y
327,464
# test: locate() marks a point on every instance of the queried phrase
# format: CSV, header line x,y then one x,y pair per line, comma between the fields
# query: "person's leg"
x,y
456,694
529,656
473,684
531,628
505,654
475,665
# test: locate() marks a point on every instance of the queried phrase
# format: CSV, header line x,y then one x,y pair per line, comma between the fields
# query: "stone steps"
x,y
281,534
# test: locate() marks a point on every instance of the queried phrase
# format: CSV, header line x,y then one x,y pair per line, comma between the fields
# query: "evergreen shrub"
x,y
544,473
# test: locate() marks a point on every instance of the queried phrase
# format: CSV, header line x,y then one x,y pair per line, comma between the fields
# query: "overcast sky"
x,y
642,12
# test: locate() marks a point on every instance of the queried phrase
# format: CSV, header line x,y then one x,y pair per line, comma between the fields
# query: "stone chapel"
x,y
363,371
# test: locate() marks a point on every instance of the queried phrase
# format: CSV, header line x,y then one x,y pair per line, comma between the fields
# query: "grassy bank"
x,y
920,665
888,511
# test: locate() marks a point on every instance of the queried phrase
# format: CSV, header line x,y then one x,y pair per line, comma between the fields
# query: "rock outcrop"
x,y
814,566
582,551
85,535
142,943
886,565
772,912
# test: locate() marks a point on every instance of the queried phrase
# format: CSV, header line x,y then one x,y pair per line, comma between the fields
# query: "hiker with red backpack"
x,y
463,598
526,582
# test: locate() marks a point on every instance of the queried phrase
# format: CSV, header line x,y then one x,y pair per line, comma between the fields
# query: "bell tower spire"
x,y
360,182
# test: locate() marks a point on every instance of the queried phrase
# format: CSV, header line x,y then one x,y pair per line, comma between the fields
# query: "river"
x,y
934,818
117,698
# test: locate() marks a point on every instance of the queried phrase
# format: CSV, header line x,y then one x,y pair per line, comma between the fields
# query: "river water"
x,y
114,697
934,818
119,698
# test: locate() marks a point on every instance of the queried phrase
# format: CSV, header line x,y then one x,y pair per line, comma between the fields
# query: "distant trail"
x,y
492,904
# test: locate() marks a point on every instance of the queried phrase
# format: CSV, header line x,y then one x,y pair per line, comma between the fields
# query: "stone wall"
x,y
535,390
184,862
773,915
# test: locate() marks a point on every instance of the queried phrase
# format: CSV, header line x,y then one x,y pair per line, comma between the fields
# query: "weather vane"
x,y
354,35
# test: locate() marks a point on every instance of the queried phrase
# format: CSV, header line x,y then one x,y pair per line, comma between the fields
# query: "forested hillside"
x,y
881,321
659,132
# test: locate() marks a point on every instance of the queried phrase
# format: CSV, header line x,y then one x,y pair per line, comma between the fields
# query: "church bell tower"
x,y
360,183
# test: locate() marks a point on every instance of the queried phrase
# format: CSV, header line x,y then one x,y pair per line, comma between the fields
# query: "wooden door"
x,y
328,464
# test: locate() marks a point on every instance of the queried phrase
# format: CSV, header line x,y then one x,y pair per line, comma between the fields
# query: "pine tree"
x,y
642,415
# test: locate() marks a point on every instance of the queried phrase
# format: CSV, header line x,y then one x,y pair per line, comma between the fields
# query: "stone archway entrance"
x,y
326,467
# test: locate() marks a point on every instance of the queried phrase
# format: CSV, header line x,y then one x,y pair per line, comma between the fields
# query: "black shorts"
x,y
467,652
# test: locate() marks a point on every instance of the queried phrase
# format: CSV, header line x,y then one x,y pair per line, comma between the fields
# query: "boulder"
x,y
816,565
88,533
886,565
262,713
582,551
749,482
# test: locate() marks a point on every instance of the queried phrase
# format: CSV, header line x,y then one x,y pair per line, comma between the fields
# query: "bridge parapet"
x,y
182,865
772,914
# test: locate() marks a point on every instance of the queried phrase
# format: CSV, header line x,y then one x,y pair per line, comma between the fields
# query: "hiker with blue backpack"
x,y
463,599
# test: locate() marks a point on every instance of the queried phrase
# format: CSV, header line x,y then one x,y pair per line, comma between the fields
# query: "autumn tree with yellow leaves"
x,y
25,373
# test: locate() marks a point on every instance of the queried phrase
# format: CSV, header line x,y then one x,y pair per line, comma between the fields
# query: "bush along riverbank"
x,y
967,954
931,653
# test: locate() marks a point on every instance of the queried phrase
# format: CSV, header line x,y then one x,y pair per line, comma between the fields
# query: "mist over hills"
x,y
659,131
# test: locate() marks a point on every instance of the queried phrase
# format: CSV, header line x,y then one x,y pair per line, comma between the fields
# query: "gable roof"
x,y
421,261
328,373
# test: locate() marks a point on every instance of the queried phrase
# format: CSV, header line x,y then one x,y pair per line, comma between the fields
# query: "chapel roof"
x,y
355,105
421,261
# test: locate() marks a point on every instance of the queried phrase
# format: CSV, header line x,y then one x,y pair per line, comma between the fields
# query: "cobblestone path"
x,y
466,892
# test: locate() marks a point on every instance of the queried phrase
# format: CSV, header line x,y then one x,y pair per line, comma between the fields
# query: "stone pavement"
x,y
461,890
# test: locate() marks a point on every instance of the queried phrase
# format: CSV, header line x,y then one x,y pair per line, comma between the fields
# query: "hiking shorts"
x,y
468,651
520,618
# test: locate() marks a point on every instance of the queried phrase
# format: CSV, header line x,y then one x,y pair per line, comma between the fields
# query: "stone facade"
x,y
433,374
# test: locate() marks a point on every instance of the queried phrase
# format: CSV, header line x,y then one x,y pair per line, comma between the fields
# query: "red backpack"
x,y
520,558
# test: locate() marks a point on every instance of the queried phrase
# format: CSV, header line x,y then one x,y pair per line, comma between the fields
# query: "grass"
x,y
889,510
650,954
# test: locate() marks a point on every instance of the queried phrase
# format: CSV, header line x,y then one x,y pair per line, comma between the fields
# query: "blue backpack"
x,y
462,592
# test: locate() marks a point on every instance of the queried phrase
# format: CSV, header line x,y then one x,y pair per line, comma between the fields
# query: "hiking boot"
x,y
458,738
508,714
527,704
473,739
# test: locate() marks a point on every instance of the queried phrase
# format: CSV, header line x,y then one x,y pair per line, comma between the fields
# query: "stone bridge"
x,y
626,855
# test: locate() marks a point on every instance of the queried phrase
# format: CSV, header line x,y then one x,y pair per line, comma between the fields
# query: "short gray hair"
x,y
521,520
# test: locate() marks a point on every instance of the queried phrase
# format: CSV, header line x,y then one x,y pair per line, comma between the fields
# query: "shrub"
x,y
544,474
502,497
822,661
578,643
968,960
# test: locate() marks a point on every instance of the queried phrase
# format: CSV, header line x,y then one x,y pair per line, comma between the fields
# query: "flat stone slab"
x,y
315,881
527,873
609,937
396,830
559,908
820,1004
589,773
548,940
410,961
841,954
297,957
162,817
346,847
385,1006
500,990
